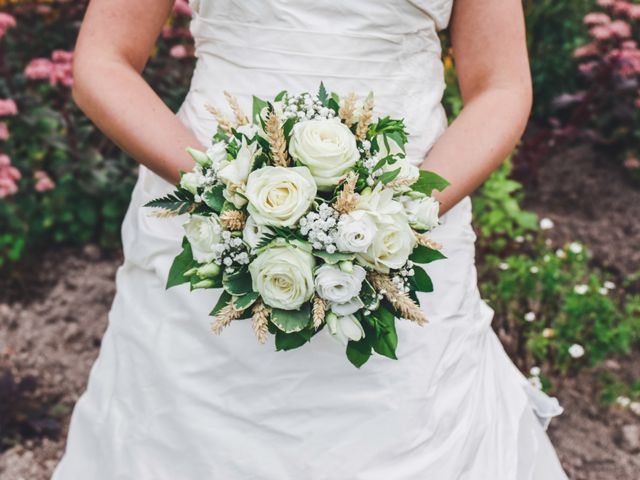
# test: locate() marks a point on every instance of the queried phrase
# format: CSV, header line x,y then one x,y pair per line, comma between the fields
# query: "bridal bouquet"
x,y
308,215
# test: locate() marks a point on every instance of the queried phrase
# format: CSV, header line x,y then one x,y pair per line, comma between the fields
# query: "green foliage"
x,y
290,321
181,264
93,178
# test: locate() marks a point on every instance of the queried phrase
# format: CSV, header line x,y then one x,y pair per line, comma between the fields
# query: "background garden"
x,y
558,226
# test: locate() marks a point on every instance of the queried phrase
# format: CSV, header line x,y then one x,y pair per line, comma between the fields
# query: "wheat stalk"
x,y
241,118
277,141
365,118
260,320
348,198
223,121
224,317
318,311
425,241
347,110
233,219
400,300
401,182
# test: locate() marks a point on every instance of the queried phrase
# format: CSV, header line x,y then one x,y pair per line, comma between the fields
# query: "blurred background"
x,y
558,227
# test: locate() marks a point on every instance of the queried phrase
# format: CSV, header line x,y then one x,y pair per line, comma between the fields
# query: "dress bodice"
x,y
260,47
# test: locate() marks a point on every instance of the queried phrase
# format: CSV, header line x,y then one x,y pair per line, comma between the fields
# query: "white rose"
x,y
327,147
356,231
203,234
217,153
340,288
279,196
422,211
283,275
345,328
234,173
379,202
392,245
252,233
193,180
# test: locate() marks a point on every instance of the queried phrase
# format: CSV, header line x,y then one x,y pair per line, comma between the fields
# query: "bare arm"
x,y
115,41
491,59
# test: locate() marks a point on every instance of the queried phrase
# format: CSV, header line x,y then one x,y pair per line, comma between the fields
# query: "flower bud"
x,y
209,270
346,266
200,157
207,283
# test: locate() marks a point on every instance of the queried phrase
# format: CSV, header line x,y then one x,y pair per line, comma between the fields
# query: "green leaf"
x,y
258,105
323,96
280,96
421,281
386,341
179,202
358,352
428,182
289,341
333,258
214,198
287,126
291,320
182,263
386,177
238,283
422,254
245,301
222,302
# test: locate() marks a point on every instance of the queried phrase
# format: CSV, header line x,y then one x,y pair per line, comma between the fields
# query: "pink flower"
x,y
601,32
634,11
58,70
587,67
180,51
6,22
9,175
181,7
43,181
596,18
8,107
4,131
38,69
586,50
620,6
605,3
620,28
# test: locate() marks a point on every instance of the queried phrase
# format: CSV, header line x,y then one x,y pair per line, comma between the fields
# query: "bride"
x,y
166,400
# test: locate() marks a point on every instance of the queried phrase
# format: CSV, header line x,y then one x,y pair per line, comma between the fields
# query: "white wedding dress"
x,y
168,400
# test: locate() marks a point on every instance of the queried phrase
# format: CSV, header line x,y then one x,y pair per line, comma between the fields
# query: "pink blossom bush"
x,y
9,176
6,22
606,111
8,107
43,181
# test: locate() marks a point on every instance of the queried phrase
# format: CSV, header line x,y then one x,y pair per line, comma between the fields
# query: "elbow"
x,y
80,83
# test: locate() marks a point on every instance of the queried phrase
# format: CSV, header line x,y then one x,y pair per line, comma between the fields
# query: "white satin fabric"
x,y
168,400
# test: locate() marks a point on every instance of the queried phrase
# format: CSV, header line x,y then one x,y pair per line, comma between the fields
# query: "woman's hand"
x,y
489,44
115,41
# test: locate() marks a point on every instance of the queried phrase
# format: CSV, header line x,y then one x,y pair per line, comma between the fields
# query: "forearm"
x,y
127,110
475,144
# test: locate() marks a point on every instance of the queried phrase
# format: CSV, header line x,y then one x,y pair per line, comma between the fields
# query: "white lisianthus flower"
x,y
234,174
248,129
327,147
283,276
344,328
422,211
576,350
356,231
204,234
279,196
193,180
217,153
252,232
340,288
